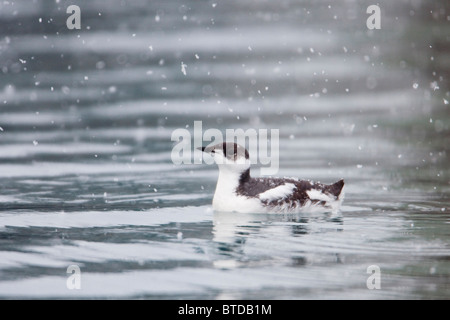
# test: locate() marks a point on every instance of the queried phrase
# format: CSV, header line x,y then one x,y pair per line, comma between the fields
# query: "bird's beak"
x,y
201,149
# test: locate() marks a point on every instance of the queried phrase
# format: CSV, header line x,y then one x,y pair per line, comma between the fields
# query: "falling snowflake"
x,y
183,67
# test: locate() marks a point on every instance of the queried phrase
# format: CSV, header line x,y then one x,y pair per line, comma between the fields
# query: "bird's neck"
x,y
245,176
229,181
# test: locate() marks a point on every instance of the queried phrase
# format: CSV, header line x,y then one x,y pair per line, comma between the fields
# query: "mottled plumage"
x,y
237,191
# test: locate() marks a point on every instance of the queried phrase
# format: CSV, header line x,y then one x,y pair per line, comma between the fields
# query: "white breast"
x,y
226,199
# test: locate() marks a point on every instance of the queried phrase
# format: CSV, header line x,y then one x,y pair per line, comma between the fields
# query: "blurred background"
x,y
86,118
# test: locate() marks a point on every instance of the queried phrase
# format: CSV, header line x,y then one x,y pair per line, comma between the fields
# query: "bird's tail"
x,y
336,189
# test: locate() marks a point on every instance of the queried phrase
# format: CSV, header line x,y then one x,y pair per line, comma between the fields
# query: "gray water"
x,y
86,118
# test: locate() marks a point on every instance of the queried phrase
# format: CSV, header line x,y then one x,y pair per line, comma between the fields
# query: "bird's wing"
x,y
278,193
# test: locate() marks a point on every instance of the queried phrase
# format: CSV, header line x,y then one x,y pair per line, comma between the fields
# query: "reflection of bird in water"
x,y
237,191
262,238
